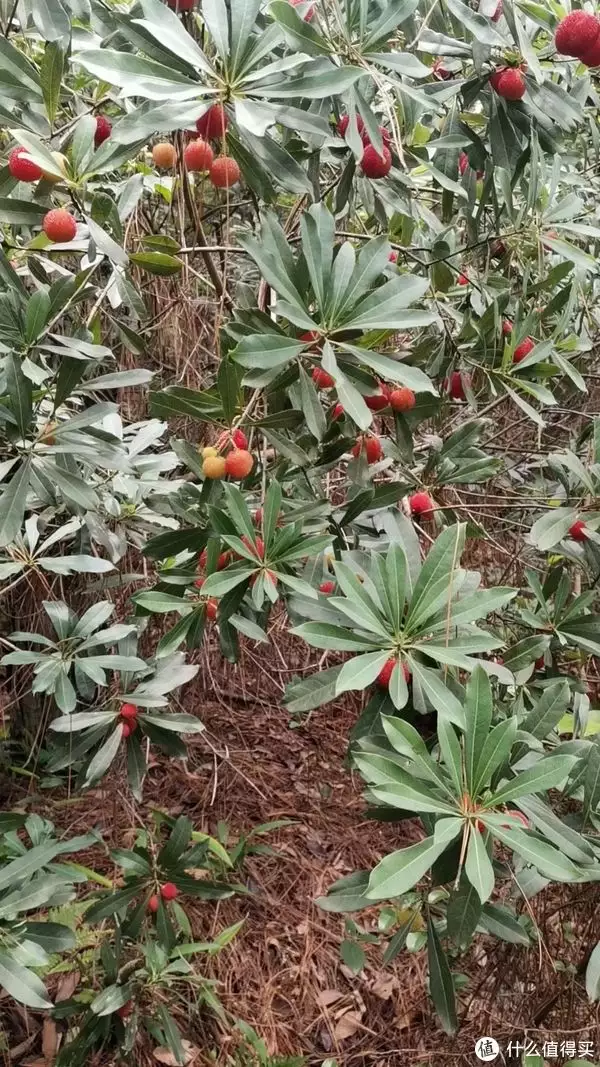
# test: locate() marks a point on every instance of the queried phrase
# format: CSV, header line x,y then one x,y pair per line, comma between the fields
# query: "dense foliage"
x,y
389,209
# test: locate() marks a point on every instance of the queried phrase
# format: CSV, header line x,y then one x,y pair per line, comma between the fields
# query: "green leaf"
x,y
548,711
495,752
22,984
312,407
548,860
52,20
592,975
37,314
158,263
436,573
401,870
347,894
22,868
498,920
111,998
105,755
172,1035
20,212
441,986
552,527
20,391
478,718
546,774
353,956
51,72
478,866
463,913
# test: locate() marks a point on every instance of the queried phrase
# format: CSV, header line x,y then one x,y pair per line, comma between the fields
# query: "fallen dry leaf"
x,y
50,1040
347,1026
328,996
164,1055
384,987
67,986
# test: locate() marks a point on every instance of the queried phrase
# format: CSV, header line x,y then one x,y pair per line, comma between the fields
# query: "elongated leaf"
x,y
401,870
104,756
22,868
478,717
22,984
478,866
441,985
547,774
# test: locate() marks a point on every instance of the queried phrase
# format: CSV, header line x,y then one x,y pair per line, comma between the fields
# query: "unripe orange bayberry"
x,y
239,463
198,155
128,728
375,165
380,400
153,903
59,226
213,123
168,891
576,34
322,379
327,587
371,446
239,439
128,711
523,349
224,172
421,505
578,531
24,170
103,130
211,609
344,122
402,399
209,450
509,83
164,155
385,674
308,17
214,467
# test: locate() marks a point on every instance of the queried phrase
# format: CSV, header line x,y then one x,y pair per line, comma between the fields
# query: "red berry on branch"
x,y
168,891
576,34
310,13
578,531
385,674
239,463
153,903
198,155
375,165
344,121
224,172
211,609
509,83
402,399
380,400
128,711
523,350
103,130
24,170
213,123
59,226
322,379
327,587
370,446
239,439
421,505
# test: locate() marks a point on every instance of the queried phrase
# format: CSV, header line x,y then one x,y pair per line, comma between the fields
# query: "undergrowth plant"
x,y
387,213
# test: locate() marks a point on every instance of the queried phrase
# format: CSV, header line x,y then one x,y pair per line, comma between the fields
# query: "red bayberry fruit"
x,y
309,336
455,385
439,71
103,130
153,903
540,663
393,256
258,515
198,155
385,674
239,439
498,12
509,83
591,56
125,1010
385,136
129,727
168,891
211,609
578,531
213,123
222,561
344,121
309,15
523,349
128,711
375,165
380,400
224,172
256,547
507,327
59,226
371,446
402,399
327,587
239,463
322,379
421,505
199,582
24,170
462,279
181,5
576,33
337,412
463,162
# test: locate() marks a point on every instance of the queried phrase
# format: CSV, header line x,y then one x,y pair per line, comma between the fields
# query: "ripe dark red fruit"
x,y
402,399
168,891
199,582
239,439
103,130
256,547
440,72
380,400
213,123
386,136
128,728
308,17
576,34
153,903
222,561
371,446
337,412
24,170
578,531
385,674
327,587
523,349
224,172
125,1010
211,609
462,279
239,463
309,336
591,56
181,5
344,121
393,256
509,83
59,226
455,386
128,711
322,379
540,663
198,155
498,12
375,165
421,505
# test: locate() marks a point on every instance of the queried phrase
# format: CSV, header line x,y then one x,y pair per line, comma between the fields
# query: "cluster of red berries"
x,y
128,715
579,35
237,463
373,163
168,892
198,155
509,82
